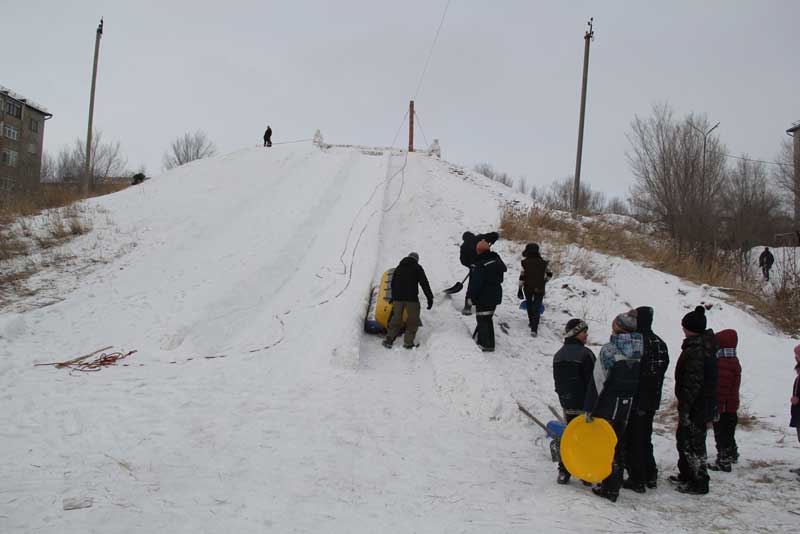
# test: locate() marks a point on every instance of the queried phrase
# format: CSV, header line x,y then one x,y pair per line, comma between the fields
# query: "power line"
x,y
430,53
419,122
402,122
756,160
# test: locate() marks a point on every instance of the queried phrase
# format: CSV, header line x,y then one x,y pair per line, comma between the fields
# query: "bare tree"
x,y
488,171
788,178
189,147
522,186
752,208
677,185
107,161
560,196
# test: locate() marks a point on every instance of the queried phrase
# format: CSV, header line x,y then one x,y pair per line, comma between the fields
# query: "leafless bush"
x,y
489,172
107,161
190,147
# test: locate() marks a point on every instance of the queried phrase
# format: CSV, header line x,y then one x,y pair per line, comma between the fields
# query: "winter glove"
x,y
520,294
548,275
683,419
430,303
588,417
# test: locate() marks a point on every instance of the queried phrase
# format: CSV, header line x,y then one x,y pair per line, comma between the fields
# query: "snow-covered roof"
x,y
28,102
795,127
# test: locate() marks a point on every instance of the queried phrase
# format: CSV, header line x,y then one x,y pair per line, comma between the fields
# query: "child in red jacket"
x,y
729,378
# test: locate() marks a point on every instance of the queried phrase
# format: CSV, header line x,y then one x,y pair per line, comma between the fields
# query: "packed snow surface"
x,y
255,402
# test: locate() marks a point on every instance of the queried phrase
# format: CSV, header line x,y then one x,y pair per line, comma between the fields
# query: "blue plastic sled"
x,y
523,305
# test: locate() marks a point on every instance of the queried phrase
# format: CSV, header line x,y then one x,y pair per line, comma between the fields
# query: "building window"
x,y
32,148
34,125
11,132
9,157
14,108
6,184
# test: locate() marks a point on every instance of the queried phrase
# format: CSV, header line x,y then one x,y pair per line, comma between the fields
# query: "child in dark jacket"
x,y
729,378
795,400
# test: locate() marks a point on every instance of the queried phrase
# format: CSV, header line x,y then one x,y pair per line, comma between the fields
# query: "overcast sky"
x,y
503,85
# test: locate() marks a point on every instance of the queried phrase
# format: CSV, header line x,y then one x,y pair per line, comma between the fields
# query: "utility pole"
x,y
411,126
88,179
587,37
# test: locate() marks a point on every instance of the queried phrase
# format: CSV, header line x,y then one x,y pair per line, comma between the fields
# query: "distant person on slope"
x,y
532,280
729,379
485,290
639,460
268,137
408,277
573,365
468,254
765,261
616,381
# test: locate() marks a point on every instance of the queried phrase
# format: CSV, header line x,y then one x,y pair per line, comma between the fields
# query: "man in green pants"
x,y
406,281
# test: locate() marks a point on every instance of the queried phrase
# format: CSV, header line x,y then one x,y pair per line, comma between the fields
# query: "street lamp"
x,y
705,139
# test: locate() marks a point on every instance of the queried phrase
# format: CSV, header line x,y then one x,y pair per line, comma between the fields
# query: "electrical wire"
x,y
430,53
419,122
756,160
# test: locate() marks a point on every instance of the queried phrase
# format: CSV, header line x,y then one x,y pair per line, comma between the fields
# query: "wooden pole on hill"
x,y
411,126
87,179
588,36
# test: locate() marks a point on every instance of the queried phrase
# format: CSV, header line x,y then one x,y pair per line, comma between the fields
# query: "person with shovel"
x,y
532,280
485,290
467,255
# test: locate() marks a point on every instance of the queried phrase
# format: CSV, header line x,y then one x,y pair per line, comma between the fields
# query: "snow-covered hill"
x,y
255,403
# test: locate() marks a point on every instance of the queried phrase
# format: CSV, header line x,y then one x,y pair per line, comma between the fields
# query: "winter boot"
x,y
652,484
692,488
720,465
638,487
563,476
413,345
610,495
677,479
387,343
467,310
534,333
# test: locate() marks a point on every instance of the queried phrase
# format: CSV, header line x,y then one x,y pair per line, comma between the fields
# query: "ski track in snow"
x,y
307,424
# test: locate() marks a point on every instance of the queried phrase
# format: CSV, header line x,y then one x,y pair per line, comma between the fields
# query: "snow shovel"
x,y
457,287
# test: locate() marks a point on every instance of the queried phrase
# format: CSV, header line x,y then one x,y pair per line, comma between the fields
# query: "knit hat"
x,y
531,249
695,321
727,339
467,235
575,327
625,322
482,246
414,256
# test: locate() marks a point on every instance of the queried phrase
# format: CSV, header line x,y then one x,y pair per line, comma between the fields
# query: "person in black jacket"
x,y
765,261
532,280
640,462
408,277
695,390
485,290
268,137
467,255
615,383
573,366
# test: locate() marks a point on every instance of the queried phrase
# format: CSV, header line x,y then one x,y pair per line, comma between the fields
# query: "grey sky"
x,y
503,84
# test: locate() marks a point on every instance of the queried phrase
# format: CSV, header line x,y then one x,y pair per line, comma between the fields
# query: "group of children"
x,y
623,385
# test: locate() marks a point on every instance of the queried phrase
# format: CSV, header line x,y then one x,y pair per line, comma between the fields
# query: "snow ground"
x,y
265,259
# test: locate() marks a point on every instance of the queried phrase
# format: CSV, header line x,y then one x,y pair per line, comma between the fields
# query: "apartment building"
x,y
21,141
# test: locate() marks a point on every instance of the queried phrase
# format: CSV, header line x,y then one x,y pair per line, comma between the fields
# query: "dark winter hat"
x,y
797,351
414,256
644,319
531,249
491,237
727,339
575,327
625,322
467,235
695,321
